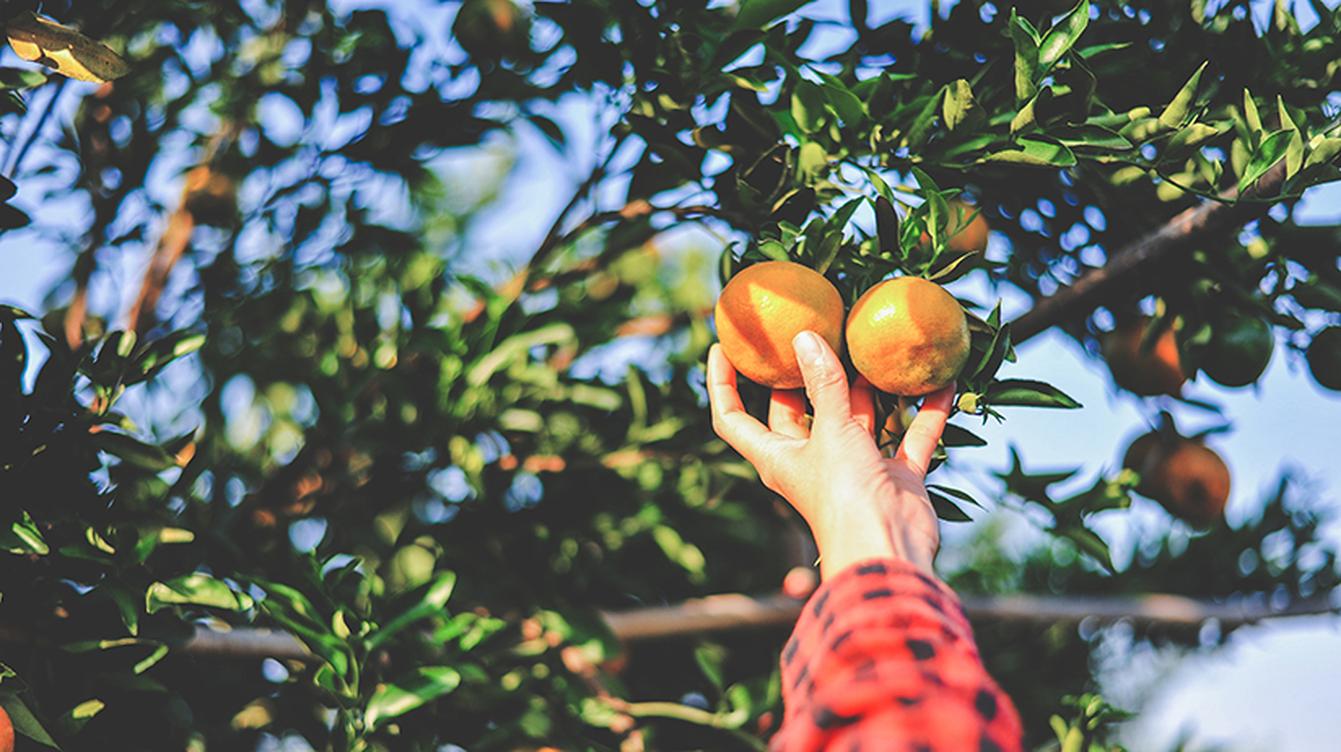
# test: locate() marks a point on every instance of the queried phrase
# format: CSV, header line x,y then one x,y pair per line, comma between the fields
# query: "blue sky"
x,y
1253,693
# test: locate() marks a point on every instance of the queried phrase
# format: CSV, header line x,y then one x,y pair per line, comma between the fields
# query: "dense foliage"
x,y
325,409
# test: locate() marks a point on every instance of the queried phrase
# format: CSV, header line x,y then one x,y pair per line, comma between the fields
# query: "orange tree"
x,y
323,411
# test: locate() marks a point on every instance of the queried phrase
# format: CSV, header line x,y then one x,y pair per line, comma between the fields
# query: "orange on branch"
x,y
908,336
766,305
1147,372
1183,475
966,230
6,732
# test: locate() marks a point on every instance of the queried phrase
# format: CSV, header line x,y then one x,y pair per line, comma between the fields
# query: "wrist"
x,y
848,533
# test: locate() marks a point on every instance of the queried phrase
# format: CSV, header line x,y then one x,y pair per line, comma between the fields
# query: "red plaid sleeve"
x,y
883,658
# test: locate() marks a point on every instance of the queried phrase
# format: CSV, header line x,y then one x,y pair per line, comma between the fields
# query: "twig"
x,y
15,164
1143,255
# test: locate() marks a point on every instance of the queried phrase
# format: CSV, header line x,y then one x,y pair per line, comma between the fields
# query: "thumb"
x,y
826,382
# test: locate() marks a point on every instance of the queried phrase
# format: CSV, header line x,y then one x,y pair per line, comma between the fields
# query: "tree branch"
x,y
1134,261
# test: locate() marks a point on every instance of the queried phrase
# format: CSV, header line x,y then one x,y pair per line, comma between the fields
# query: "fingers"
x,y
862,397
787,413
919,441
738,428
826,383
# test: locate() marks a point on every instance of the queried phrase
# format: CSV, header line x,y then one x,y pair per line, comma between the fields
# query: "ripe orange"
x,y
965,235
1184,476
763,307
908,336
1156,371
6,732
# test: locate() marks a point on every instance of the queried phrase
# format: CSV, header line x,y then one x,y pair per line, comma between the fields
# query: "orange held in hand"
x,y
1158,370
764,307
908,336
1187,478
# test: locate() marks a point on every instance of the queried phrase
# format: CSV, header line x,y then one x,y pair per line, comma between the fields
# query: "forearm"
x,y
883,654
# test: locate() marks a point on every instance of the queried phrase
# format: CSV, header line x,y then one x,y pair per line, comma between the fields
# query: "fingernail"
x,y
807,346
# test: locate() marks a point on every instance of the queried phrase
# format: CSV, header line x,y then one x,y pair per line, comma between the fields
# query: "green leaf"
x,y
1025,39
947,510
75,718
1063,35
196,589
842,102
808,106
133,451
958,436
1193,134
886,224
1035,151
421,686
1178,111
432,602
1323,151
1294,152
24,722
20,78
22,536
1250,114
1090,137
961,495
1271,151
756,14
959,106
1028,393
63,49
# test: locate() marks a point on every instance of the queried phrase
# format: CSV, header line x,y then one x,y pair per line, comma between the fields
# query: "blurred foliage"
x,y
340,405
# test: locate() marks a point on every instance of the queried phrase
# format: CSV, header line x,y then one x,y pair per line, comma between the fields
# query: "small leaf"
x,y
196,589
756,14
1025,39
1250,114
886,224
959,106
421,686
842,102
1063,35
1035,151
1092,137
1271,151
63,49
1323,151
1177,112
946,509
808,108
1028,393
22,536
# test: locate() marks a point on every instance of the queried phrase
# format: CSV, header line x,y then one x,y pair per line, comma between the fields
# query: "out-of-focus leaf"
x,y
421,686
22,536
1035,151
63,49
196,589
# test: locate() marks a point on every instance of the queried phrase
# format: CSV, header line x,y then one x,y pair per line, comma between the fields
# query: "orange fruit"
x,y
965,235
1156,371
908,336
1183,475
6,732
766,305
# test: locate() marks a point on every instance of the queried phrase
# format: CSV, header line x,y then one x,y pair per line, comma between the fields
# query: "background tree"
x,y
322,410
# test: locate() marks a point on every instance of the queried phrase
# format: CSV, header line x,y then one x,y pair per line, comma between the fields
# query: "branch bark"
x,y
1131,263
732,612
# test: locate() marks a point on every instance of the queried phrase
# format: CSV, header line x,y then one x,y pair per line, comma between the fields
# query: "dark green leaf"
x,y
1025,392
756,14
196,589
946,509
421,686
1063,35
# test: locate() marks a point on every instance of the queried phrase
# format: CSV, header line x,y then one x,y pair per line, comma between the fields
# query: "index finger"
x,y
924,433
738,428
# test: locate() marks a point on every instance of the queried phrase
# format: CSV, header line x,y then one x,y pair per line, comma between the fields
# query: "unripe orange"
x,y
766,305
908,336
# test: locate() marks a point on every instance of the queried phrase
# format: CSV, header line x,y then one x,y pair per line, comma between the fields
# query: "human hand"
x,y
858,503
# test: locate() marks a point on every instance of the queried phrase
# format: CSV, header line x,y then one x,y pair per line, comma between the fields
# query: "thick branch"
x,y
720,613
1128,266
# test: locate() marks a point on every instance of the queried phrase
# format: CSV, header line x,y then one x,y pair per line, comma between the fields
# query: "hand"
x,y
858,503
